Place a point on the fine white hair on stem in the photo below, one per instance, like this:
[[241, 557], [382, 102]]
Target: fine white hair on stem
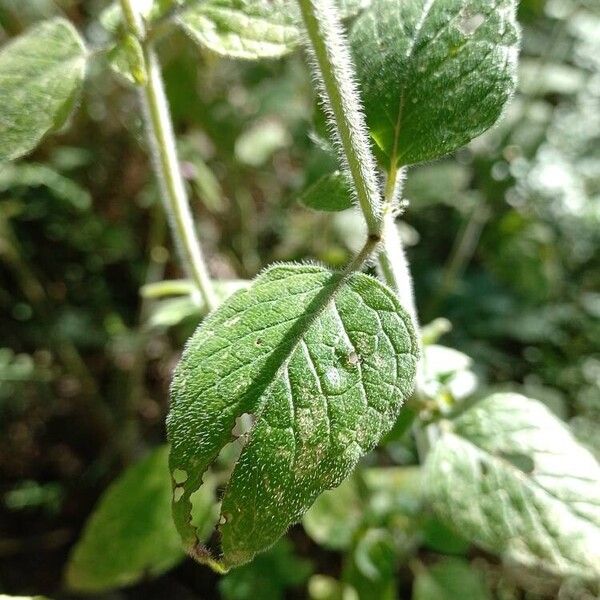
[[334, 73]]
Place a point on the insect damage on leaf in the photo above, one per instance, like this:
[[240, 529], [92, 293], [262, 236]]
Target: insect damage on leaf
[[322, 361]]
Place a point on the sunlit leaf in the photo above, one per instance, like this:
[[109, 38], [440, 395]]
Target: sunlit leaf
[[322, 361], [434, 74], [511, 477], [246, 29], [41, 73]]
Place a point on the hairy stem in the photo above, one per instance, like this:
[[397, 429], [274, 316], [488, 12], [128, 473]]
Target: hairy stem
[[336, 74], [161, 139], [392, 263]]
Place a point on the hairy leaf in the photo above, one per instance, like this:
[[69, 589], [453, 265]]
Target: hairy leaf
[[248, 29], [131, 533], [434, 73], [322, 361], [331, 193], [511, 477], [40, 76]]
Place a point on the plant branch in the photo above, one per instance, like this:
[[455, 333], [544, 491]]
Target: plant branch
[[161, 138], [340, 94]]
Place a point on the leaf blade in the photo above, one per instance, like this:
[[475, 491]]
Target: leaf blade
[[244, 29], [130, 533], [513, 479], [434, 73], [41, 73], [288, 389]]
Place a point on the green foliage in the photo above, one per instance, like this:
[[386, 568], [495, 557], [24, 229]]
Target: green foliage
[[41, 73], [434, 74], [268, 577], [130, 534], [502, 241], [511, 477], [331, 193], [335, 516], [247, 29], [33, 175], [126, 58], [450, 579], [322, 361]]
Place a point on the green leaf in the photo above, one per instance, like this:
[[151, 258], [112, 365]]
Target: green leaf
[[511, 477], [434, 73], [323, 362], [350, 8], [335, 516], [372, 565], [41, 73], [268, 577], [126, 58], [248, 29], [332, 193], [447, 376], [32, 175], [130, 534], [171, 311], [450, 579]]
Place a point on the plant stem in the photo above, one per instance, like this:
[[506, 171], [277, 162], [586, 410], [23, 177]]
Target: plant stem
[[343, 101], [392, 263], [161, 139]]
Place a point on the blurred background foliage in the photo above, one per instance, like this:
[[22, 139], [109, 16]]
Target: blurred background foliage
[[503, 240]]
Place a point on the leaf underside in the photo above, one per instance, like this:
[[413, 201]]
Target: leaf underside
[[247, 29], [513, 479], [434, 74], [323, 362], [41, 73]]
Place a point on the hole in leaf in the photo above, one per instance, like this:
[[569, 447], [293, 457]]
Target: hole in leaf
[[353, 359], [469, 24], [243, 425], [178, 493], [179, 476]]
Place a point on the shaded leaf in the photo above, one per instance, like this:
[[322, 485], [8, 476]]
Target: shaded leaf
[[268, 576], [511, 477], [335, 516], [450, 579], [41, 73], [332, 192], [131, 534], [434, 74], [248, 29], [322, 361], [126, 58]]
